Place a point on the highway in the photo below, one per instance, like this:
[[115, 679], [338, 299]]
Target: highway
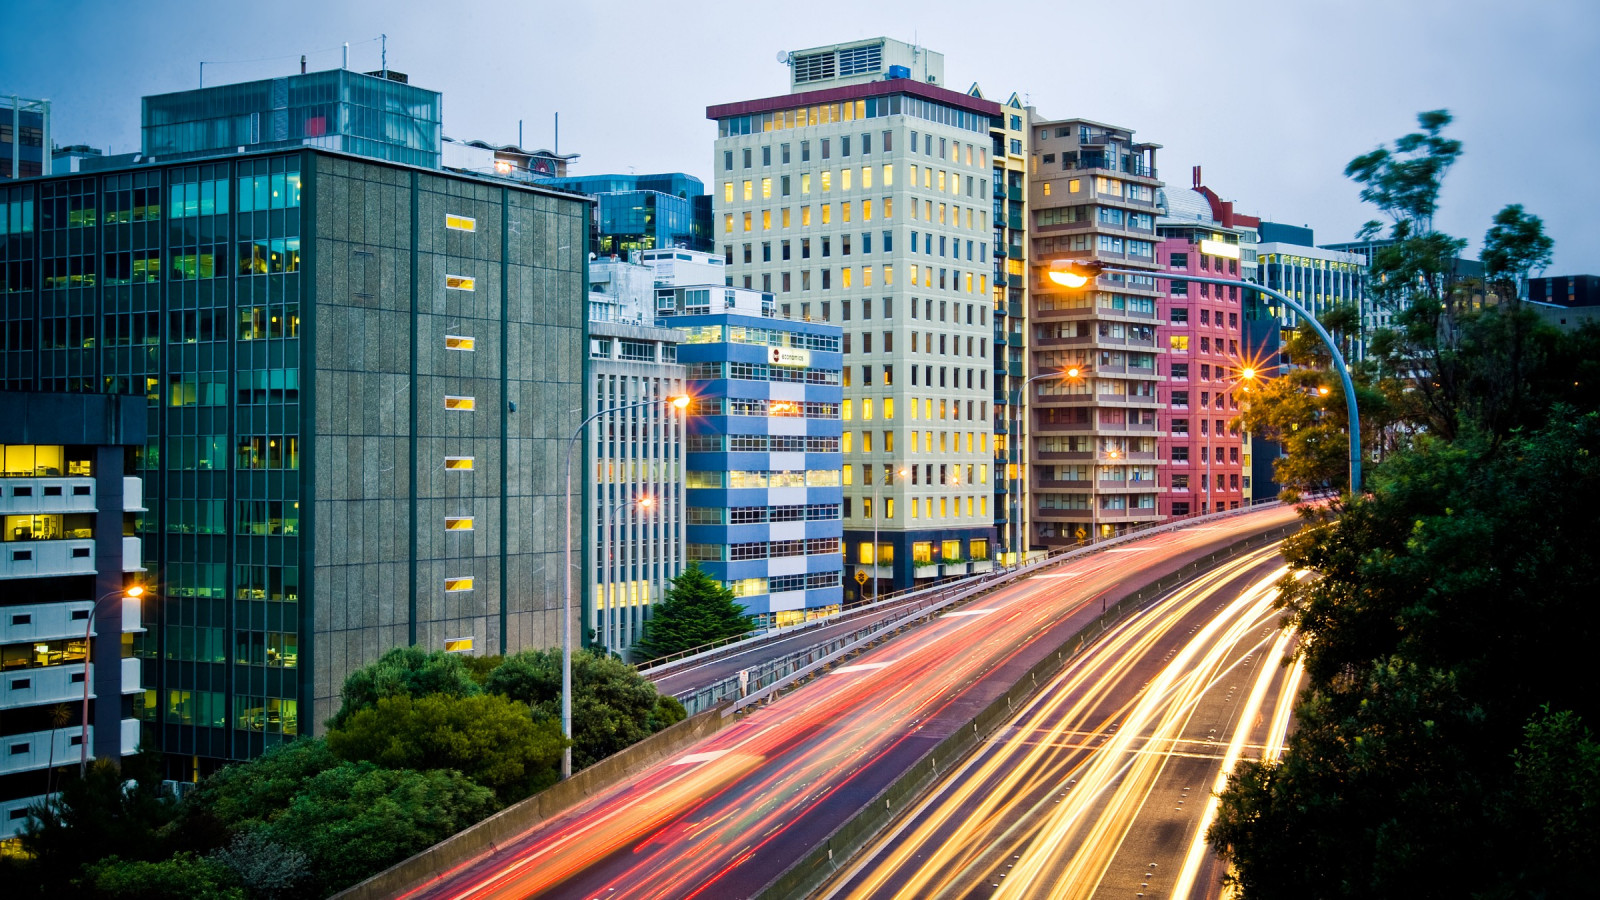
[[732, 812], [1101, 786]]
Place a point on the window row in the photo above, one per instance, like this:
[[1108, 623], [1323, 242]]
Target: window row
[[761, 478], [761, 443]]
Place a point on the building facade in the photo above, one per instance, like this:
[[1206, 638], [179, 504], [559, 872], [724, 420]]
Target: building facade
[[1319, 279], [863, 199], [359, 378], [24, 137], [1565, 290], [377, 115], [645, 212], [1010, 134], [1093, 445], [635, 455], [763, 453], [1204, 464], [71, 506]]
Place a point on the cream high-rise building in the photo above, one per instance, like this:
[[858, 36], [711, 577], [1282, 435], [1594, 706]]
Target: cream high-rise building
[[864, 197]]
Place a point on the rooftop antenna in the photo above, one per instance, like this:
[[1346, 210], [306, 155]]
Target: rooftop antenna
[[346, 63], [384, 58]]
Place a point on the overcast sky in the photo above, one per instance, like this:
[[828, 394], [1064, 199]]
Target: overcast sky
[[1271, 98]]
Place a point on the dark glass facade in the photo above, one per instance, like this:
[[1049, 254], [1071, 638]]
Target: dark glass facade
[[337, 110], [645, 212], [332, 352], [23, 130]]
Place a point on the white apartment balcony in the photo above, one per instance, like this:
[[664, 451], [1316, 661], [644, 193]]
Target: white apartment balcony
[[132, 614], [14, 814], [44, 621], [132, 494], [131, 675], [132, 555], [29, 496], [130, 736], [26, 752], [36, 559], [41, 686]]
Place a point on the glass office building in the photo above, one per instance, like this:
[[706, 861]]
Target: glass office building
[[358, 377], [645, 212], [368, 115]]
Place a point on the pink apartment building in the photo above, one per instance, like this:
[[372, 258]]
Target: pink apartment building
[[1201, 332]]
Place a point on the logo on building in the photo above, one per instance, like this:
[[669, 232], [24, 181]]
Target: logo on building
[[786, 356]]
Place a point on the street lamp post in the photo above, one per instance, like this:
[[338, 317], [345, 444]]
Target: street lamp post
[[1076, 273], [680, 402], [607, 551], [131, 593], [1071, 373]]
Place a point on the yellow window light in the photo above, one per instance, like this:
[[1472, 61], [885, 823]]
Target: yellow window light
[[458, 523], [460, 223], [460, 283], [459, 342], [457, 585], [460, 403], [460, 463], [458, 645]]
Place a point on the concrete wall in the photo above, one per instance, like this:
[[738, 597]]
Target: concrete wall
[[382, 551]]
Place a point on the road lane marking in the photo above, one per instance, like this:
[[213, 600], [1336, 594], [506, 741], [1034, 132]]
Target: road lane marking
[[693, 758], [970, 612]]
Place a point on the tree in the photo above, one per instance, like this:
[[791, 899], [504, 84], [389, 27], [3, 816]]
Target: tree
[[112, 810], [405, 672], [613, 706], [696, 611], [356, 819], [492, 740], [1427, 760], [240, 796], [266, 869], [182, 876]]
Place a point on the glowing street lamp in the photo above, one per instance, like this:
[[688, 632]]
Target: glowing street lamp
[[1077, 273]]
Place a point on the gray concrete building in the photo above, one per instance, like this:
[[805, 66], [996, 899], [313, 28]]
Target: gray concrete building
[[359, 378]]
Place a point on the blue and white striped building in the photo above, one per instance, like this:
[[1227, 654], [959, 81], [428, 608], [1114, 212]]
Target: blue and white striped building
[[763, 456]]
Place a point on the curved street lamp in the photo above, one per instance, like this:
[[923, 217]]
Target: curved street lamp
[[1018, 537], [130, 593], [679, 403], [1077, 273]]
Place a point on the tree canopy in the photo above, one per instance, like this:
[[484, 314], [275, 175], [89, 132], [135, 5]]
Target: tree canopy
[[1441, 748], [491, 739], [613, 705], [696, 611], [409, 672]]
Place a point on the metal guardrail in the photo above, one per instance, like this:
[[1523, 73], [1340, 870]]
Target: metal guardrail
[[757, 682]]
